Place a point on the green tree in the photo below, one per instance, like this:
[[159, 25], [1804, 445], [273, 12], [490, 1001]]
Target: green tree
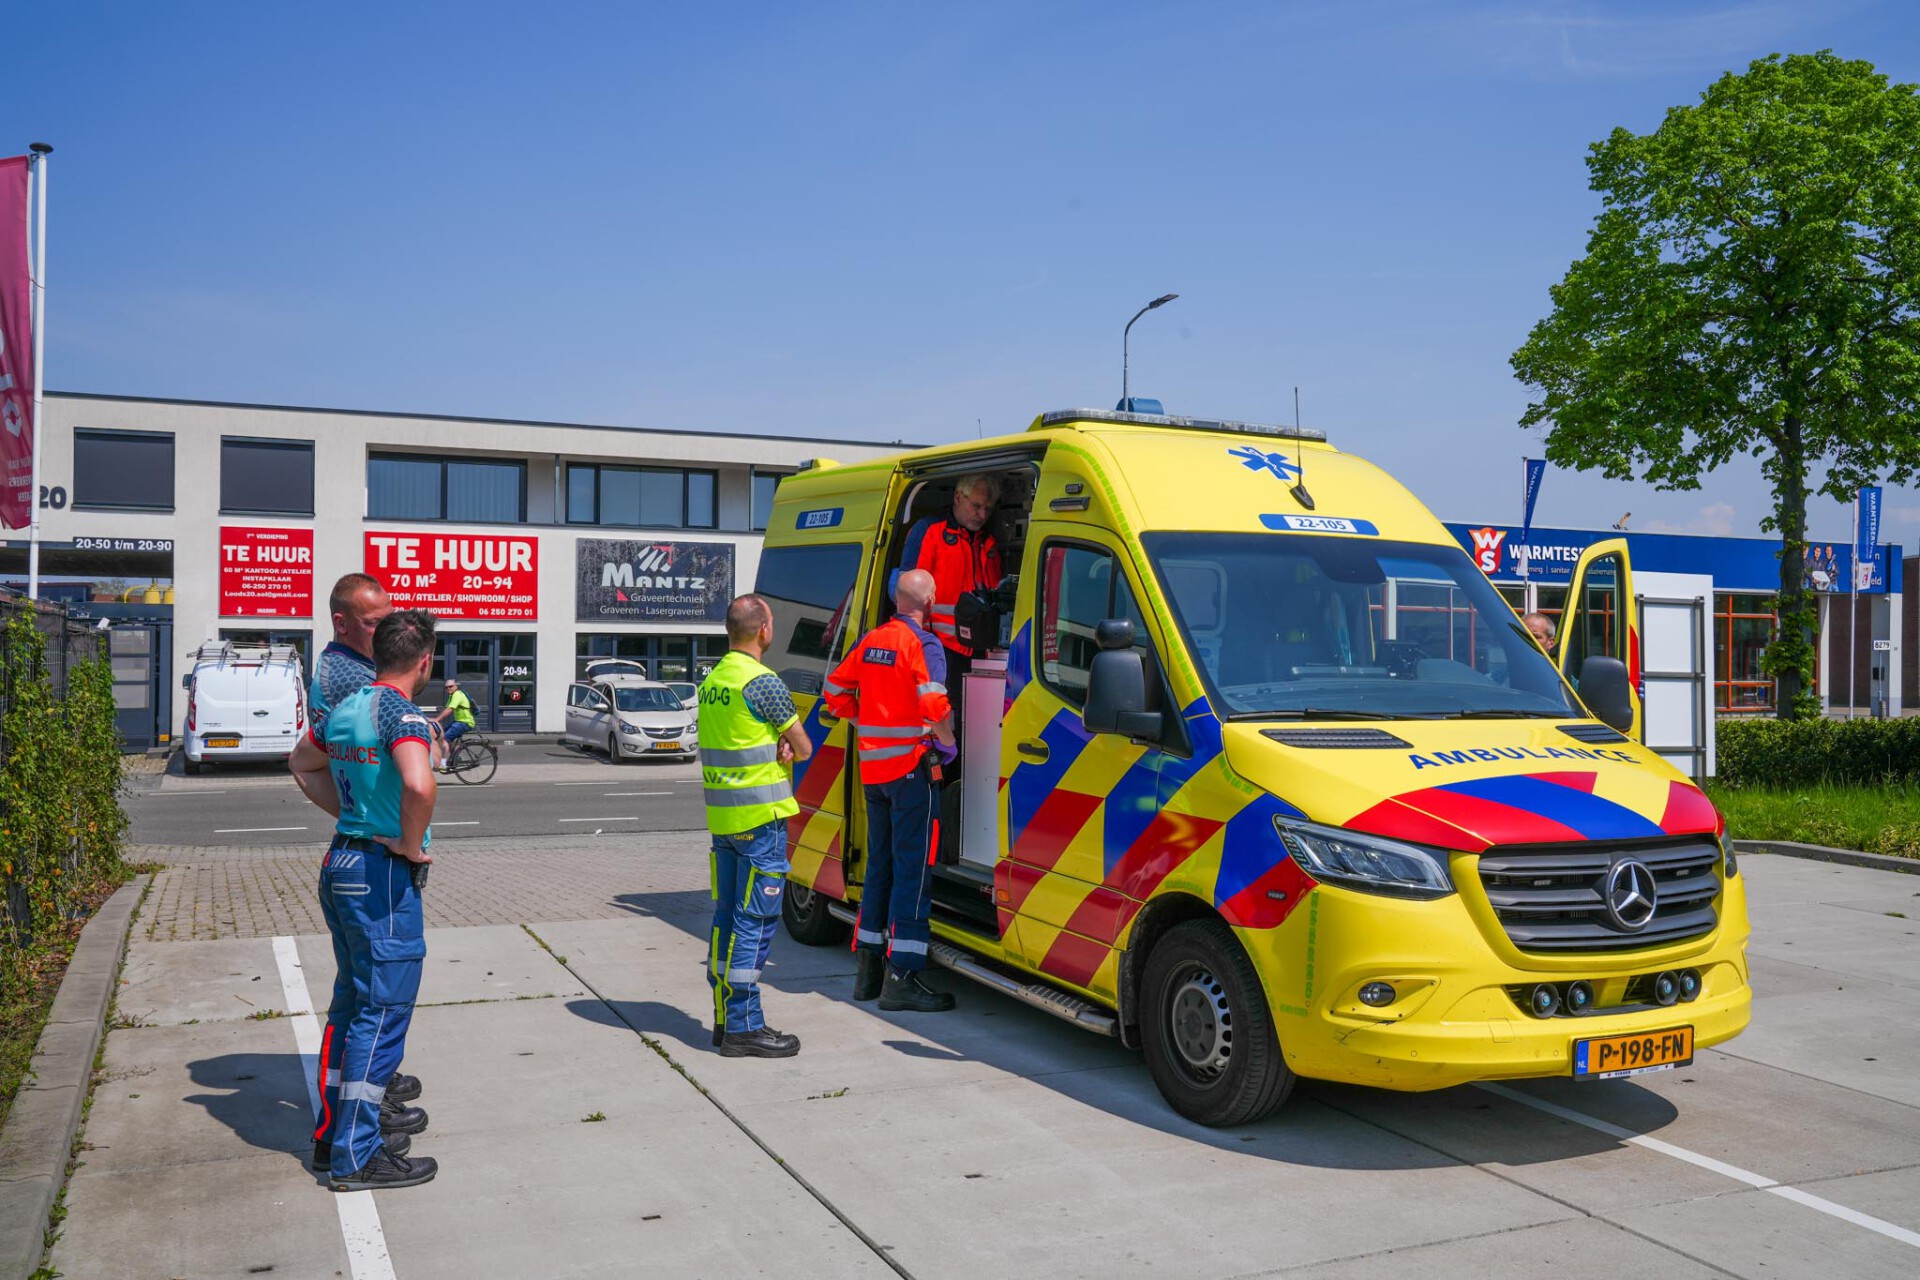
[[1750, 287]]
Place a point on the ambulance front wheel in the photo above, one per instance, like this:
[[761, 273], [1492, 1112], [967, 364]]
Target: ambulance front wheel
[[1207, 1031], [808, 919]]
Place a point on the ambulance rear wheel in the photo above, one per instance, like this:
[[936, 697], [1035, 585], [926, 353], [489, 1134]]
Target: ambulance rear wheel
[[1207, 1031], [808, 920]]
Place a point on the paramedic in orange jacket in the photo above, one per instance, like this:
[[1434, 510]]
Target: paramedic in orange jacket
[[960, 554], [898, 702]]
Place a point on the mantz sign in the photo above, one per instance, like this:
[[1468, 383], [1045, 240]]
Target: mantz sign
[[459, 575]]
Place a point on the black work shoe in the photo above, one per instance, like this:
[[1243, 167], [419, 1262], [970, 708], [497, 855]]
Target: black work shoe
[[398, 1144], [764, 1043], [869, 971], [904, 990], [403, 1088], [386, 1171], [396, 1118]]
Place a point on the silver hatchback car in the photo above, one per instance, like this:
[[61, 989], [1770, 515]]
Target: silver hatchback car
[[628, 716]]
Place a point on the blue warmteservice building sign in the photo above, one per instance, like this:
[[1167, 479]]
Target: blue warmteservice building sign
[[1735, 564]]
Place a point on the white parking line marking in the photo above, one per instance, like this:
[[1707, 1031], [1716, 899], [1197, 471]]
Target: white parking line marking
[[580, 784], [637, 793], [367, 1257], [1845, 1214], [626, 819], [171, 791], [1759, 1181], [245, 831], [474, 823]]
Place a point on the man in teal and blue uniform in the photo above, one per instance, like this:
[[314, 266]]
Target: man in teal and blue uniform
[[371, 765]]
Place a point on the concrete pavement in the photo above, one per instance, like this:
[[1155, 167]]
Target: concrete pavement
[[993, 1138]]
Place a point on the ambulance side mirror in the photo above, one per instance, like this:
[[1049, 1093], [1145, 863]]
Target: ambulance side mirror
[[1608, 693], [1123, 688]]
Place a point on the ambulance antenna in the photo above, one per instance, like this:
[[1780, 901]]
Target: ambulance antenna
[[1299, 489]]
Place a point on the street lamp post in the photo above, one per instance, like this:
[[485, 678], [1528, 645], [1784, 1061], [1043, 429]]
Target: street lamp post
[[1160, 301]]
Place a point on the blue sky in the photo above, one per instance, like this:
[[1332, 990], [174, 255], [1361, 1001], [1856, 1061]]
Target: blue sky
[[883, 221]]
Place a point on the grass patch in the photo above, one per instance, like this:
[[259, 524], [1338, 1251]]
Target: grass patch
[[25, 1002], [1884, 819]]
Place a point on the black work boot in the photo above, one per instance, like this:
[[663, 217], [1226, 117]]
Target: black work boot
[[398, 1144], [403, 1088], [904, 990], [869, 970], [397, 1117], [764, 1042], [386, 1171]]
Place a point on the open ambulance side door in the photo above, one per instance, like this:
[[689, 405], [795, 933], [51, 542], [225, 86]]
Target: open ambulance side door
[[1602, 621]]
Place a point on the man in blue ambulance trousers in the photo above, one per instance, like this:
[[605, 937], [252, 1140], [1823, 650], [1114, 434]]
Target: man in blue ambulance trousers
[[371, 766], [749, 735], [892, 684]]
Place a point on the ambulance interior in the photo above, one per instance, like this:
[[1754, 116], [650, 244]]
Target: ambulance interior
[[969, 799]]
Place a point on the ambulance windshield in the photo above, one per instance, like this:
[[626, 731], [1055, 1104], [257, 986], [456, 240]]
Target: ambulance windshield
[[1312, 626]]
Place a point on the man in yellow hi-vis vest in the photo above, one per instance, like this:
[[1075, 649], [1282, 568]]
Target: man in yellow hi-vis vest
[[749, 736]]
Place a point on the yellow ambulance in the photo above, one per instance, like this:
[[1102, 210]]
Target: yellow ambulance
[[1261, 775]]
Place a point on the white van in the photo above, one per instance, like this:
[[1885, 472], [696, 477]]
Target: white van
[[245, 703]]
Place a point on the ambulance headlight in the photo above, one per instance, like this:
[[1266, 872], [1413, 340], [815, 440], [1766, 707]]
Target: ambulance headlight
[[1377, 865]]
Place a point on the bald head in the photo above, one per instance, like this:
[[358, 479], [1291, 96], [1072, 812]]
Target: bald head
[[747, 616], [914, 592]]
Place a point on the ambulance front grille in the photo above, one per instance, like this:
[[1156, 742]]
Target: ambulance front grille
[[1552, 897]]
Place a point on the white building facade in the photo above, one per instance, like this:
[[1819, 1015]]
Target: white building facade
[[537, 544]]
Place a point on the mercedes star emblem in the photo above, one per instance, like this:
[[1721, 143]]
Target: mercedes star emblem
[[1631, 895]]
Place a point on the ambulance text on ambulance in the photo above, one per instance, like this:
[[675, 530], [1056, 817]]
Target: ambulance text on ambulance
[[1486, 755]]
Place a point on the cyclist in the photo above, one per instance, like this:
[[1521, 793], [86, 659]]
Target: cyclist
[[460, 707]]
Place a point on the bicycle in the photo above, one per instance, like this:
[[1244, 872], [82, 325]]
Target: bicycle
[[472, 759]]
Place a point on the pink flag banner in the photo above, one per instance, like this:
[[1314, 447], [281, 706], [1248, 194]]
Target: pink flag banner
[[16, 349]]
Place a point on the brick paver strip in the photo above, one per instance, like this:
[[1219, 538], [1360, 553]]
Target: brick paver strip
[[206, 893]]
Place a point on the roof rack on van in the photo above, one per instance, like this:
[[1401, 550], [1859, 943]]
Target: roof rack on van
[[225, 652], [1060, 417]]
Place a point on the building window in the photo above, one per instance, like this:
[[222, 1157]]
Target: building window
[[687, 658], [123, 470], [764, 484], [266, 477], [636, 497], [1743, 627], [464, 489]]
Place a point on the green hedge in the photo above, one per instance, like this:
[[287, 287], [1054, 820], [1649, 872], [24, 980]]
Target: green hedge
[[62, 830], [1802, 753]]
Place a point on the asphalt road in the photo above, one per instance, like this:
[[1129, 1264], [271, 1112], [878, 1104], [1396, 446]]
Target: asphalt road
[[540, 789]]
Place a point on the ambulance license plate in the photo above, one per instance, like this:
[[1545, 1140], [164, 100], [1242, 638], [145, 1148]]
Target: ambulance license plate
[[666, 746], [222, 742], [1610, 1057]]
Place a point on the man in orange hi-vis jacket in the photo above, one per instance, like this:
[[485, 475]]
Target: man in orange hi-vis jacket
[[893, 685]]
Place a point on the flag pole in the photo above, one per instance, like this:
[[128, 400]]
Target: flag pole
[[1853, 603], [40, 152]]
